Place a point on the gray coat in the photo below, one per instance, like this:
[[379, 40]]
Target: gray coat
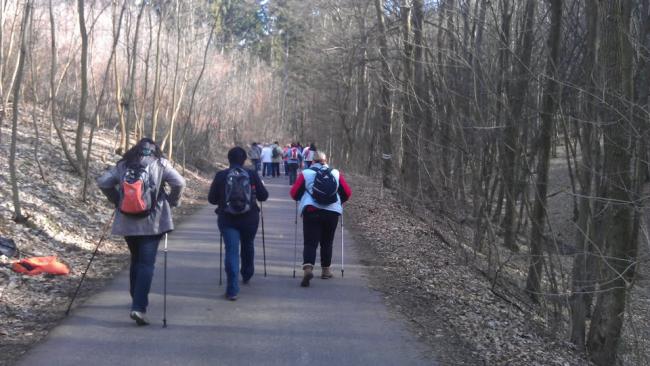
[[160, 220]]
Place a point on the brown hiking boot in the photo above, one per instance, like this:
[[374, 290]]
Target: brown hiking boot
[[309, 269], [327, 273]]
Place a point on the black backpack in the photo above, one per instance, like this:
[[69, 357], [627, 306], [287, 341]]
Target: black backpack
[[238, 192], [325, 187]]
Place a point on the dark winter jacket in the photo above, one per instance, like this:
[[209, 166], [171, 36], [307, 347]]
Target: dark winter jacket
[[217, 196]]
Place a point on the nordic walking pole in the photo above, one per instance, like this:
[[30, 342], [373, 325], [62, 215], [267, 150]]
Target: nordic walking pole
[[295, 244], [165, 286], [342, 249], [220, 257], [263, 239], [83, 276]]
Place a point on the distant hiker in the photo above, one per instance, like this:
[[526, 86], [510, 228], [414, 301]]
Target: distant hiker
[[308, 155], [254, 154], [267, 160], [143, 212], [236, 191], [276, 155], [321, 192], [285, 159], [294, 158]]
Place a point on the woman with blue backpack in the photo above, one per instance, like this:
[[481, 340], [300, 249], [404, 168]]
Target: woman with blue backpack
[[321, 192], [142, 212], [236, 191]]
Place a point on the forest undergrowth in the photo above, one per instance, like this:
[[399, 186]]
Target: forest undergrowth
[[60, 224], [459, 299]]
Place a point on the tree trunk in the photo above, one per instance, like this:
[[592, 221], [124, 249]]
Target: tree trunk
[[581, 286], [130, 104], [53, 92], [616, 56], [516, 99], [154, 106], [100, 99], [409, 140], [386, 144], [533, 282], [81, 117], [15, 193]]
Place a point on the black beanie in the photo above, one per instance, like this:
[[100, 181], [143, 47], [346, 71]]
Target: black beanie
[[237, 156]]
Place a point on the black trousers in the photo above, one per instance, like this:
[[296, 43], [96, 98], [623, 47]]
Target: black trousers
[[292, 170], [276, 169], [319, 227]]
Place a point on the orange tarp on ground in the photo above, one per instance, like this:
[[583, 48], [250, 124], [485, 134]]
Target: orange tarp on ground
[[37, 265]]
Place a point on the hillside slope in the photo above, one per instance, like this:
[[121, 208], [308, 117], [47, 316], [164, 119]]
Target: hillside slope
[[61, 224]]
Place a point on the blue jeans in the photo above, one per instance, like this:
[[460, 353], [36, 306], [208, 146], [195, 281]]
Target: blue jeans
[[234, 236], [268, 169], [257, 164], [143, 258]]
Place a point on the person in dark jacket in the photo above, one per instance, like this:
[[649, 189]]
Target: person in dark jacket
[[238, 230], [143, 233], [319, 221]]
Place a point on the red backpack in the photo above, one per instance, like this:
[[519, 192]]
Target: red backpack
[[137, 190]]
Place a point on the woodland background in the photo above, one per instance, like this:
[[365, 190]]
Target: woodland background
[[471, 110]]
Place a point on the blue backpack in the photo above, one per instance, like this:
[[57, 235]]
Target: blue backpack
[[325, 187]]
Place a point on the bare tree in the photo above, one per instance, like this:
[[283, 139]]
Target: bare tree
[[386, 144], [17, 84], [549, 103]]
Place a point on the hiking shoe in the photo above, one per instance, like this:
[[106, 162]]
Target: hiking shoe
[[327, 273], [139, 317], [309, 274]]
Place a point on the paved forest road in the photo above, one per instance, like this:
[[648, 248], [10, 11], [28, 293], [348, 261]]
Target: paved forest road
[[275, 322]]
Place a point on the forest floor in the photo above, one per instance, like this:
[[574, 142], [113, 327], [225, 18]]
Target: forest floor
[[60, 224], [455, 295], [426, 271]]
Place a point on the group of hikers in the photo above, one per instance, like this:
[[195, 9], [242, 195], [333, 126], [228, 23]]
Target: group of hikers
[[136, 186], [268, 158]]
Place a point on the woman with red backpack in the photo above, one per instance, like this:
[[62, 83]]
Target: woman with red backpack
[[143, 212], [321, 192]]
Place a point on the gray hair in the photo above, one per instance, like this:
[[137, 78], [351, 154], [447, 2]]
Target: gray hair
[[320, 156]]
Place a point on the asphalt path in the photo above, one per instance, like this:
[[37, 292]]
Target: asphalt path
[[275, 321]]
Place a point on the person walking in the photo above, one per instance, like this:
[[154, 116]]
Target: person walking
[[276, 156], [143, 213], [321, 192], [254, 155], [308, 154], [267, 160], [294, 157], [285, 159], [236, 191]]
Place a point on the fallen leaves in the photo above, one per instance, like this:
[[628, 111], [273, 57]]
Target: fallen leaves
[[60, 224], [421, 269]]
